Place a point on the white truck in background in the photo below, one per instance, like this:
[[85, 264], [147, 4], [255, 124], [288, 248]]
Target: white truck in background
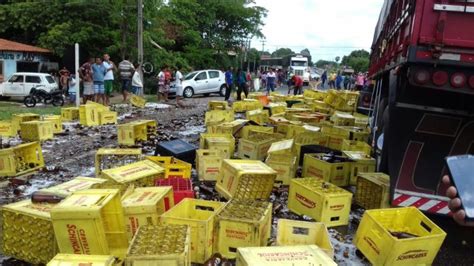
[[298, 65]]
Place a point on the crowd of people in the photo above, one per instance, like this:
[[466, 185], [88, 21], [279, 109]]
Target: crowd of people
[[339, 81], [97, 75]]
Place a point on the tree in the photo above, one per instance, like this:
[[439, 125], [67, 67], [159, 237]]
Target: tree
[[305, 52], [192, 33], [358, 60], [324, 63], [282, 52]]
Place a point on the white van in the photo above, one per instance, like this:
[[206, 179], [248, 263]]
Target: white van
[[20, 84]]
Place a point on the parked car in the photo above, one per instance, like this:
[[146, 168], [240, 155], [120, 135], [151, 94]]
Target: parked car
[[203, 82], [21, 83]]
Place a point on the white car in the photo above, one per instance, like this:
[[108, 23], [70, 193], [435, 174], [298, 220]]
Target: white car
[[20, 84], [204, 82]]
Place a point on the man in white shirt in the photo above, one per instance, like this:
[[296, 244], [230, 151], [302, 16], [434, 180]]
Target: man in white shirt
[[179, 87], [108, 78]]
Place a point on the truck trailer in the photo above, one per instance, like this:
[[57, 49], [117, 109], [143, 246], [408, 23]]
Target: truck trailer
[[422, 63]]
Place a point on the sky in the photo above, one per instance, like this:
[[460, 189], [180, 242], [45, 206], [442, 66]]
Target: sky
[[328, 28]]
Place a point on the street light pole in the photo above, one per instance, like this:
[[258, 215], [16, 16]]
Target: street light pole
[[140, 38]]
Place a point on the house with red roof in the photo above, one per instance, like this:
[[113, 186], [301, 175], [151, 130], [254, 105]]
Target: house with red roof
[[19, 57]]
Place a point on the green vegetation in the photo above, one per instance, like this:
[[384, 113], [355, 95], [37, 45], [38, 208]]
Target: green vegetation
[[358, 60], [187, 33], [7, 109]]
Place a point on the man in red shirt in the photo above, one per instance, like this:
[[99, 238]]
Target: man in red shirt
[[297, 84]]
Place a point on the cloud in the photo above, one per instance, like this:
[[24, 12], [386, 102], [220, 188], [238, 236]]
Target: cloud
[[327, 28]]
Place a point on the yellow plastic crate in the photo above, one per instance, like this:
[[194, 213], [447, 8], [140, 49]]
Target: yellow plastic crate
[[277, 108], [140, 174], [208, 164], [70, 113], [278, 120], [245, 179], [247, 130], [111, 158], [285, 165], [246, 105], [343, 119], [309, 138], [243, 223], [294, 128], [355, 133], [21, 159], [315, 94], [362, 163], [17, 119], [36, 130], [337, 172], [107, 118], [258, 116], [82, 260], [135, 132], [200, 216], [218, 116], [255, 147], [320, 200], [7, 129], [88, 115], [57, 122], [99, 106], [174, 168], [295, 233], [79, 183], [353, 145], [347, 101], [223, 142], [143, 206], [217, 105], [372, 191], [90, 222], [283, 256], [361, 120], [28, 232], [281, 147], [234, 127], [375, 240], [138, 101], [160, 246]]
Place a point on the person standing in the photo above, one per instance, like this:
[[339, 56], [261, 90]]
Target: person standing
[[168, 79], [137, 84], [242, 84], [229, 81], [339, 81], [109, 78], [324, 78], [98, 75], [64, 80], [126, 71], [178, 76], [360, 81], [87, 82], [161, 84], [332, 80], [271, 80]]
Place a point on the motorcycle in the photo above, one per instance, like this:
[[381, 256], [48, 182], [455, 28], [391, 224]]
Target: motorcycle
[[37, 95]]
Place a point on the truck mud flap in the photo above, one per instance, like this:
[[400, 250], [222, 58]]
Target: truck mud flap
[[418, 141]]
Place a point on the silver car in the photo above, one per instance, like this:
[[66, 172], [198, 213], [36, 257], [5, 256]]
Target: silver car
[[203, 82]]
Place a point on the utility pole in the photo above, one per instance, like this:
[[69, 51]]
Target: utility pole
[[248, 58], [140, 38], [263, 45]]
